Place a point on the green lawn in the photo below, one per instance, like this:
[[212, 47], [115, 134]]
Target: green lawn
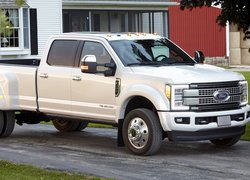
[[246, 136], [11, 171], [94, 125]]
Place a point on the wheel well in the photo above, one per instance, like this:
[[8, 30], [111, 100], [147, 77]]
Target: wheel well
[[134, 103], [139, 102]]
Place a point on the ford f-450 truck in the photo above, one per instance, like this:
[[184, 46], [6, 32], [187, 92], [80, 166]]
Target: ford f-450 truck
[[143, 83]]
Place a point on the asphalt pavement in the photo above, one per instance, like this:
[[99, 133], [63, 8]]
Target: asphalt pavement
[[94, 151]]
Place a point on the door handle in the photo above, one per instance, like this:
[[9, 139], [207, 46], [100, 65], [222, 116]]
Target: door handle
[[77, 78], [44, 75]]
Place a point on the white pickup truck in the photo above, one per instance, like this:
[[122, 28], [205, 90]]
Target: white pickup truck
[[142, 83]]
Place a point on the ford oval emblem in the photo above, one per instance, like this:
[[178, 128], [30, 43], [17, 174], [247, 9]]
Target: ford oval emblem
[[221, 95]]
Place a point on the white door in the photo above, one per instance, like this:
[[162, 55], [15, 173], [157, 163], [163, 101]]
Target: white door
[[93, 95], [54, 78]]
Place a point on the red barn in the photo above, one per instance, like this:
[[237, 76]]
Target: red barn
[[197, 29]]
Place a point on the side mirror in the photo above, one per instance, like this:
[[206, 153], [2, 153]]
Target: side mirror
[[199, 57], [111, 69], [88, 64]]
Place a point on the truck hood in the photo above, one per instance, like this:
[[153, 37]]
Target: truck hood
[[185, 74]]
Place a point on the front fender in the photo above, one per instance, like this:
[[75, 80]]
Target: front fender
[[157, 98]]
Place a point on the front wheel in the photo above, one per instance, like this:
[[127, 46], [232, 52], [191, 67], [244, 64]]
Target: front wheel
[[142, 132], [226, 141]]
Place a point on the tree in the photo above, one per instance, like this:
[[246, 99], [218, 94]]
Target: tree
[[20, 2], [4, 22], [233, 11], [5, 25]]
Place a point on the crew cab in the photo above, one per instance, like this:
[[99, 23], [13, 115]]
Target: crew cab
[[144, 84]]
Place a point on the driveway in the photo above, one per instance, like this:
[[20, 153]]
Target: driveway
[[94, 151]]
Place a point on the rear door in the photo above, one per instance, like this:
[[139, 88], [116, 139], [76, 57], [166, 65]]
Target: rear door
[[54, 77]]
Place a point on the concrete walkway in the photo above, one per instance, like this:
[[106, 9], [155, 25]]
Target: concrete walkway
[[239, 68]]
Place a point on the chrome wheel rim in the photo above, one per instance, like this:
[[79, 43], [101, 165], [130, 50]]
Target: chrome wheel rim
[[138, 133]]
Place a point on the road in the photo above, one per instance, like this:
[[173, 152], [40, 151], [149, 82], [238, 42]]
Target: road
[[94, 151]]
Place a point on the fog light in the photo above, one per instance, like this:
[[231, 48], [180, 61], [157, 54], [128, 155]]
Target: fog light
[[182, 120], [205, 120]]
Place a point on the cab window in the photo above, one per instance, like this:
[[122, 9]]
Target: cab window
[[99, 51], [63, 53]]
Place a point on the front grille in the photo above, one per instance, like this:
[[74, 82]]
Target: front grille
[[200, 97], [218, 107], [214, 85], [210, 100], [210, 92]]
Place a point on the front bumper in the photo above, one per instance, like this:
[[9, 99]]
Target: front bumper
[[206, 134], [194, 131]]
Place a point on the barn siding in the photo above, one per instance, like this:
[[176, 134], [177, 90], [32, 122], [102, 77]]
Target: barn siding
[[197, 29]]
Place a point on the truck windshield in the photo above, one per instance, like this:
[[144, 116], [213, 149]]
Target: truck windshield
[[151, 52]]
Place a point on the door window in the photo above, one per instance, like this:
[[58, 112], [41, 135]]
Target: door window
[[99, 51], [62, 53]]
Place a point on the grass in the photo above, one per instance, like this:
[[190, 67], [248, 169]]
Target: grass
[[97, 125], [11, 171], [246, 136], [93, 125]]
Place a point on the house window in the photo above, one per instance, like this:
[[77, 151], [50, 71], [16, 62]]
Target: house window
[[26, 28], [115, 21], [10, 36], [16, 33]]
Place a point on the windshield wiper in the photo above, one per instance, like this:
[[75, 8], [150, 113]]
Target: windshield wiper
[[160, 64], [144, 64], [177, 64]]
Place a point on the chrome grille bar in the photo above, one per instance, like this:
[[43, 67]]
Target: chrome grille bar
[[209, 101], [201, 97], [210, 92]]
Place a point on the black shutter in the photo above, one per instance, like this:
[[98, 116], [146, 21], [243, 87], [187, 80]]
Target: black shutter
[[33, 32]]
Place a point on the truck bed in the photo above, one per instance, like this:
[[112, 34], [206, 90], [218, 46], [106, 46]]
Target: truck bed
[[29, 62], [18, 84]]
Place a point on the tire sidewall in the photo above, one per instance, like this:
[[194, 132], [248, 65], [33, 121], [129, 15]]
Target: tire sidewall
[[66, 126], [8, 123], [143, 114], [1, 122]]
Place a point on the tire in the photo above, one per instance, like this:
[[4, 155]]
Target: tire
[[225, 142], [9, 123], [82, 125], [68, 125], [1, 121], [142, 132]]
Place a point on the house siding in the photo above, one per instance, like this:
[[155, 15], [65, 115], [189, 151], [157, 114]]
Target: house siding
[[49, 14]]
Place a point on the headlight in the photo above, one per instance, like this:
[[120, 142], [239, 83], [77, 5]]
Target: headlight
[[244, 91], [175, 95]]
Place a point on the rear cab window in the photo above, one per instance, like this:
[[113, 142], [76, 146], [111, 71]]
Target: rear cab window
[[63, 53]]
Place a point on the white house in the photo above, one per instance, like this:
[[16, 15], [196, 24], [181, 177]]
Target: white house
[[34, 22]]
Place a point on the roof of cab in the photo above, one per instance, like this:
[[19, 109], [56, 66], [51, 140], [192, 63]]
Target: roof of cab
[[111, 36]]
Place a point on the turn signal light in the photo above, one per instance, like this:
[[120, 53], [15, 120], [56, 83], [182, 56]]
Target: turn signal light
[[84, 68]]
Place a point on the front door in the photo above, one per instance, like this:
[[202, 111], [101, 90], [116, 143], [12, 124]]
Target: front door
[[93, 95]]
